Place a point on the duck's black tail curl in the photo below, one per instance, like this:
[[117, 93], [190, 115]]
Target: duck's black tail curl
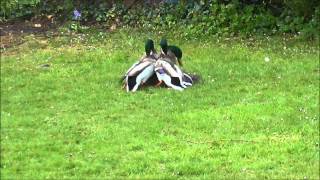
[[194, 77]]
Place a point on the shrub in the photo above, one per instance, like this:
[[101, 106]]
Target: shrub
[[197, 18], [11, 9]]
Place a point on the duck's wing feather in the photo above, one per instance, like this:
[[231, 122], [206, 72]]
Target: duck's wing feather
[[139, 73]]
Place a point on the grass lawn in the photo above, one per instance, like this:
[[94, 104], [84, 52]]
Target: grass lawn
[[247, 118]]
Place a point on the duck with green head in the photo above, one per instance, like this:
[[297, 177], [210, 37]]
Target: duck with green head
[[174, 53], [149, 48], [166, 67], [142, 70]]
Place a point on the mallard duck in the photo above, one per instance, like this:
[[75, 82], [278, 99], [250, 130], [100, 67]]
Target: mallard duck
[[150, 50], [166, 67], [142, 70], [174, 53]]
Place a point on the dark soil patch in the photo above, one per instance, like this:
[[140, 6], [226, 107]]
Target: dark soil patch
[[12, 33]]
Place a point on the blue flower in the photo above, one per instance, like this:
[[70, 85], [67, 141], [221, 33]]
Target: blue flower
[[76, 15]]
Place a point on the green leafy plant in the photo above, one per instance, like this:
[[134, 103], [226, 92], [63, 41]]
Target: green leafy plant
[[192, 18], [17, 8]]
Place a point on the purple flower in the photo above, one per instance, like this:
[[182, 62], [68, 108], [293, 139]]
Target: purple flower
[[76, 15]]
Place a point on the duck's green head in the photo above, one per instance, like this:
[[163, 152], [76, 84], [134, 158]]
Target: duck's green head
[[149, 46], [164, 45]]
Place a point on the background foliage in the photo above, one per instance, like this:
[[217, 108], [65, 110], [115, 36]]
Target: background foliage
[[202, 17]]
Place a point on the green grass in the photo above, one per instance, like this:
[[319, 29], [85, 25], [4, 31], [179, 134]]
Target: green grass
[[246, 118]]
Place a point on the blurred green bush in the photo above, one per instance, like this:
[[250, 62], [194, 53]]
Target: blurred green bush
[[194, 18]]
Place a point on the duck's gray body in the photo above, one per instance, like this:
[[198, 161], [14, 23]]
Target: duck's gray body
[[140, 72], [169, 72], [172, 75], [155, 69]]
